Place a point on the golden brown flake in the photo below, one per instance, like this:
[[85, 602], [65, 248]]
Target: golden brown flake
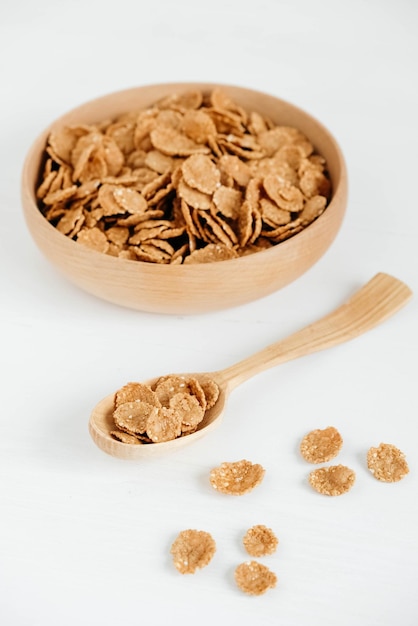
[[189, 410], [211, 391], [164, 424], [319, 446], [314, 183], [173, 143], [254, 578], [93, 238], [283, 193], [69, 220], [198, 126], [236, 478], [63, 141], [272, 215], [123, 437], [228, 201], [333, 480], [133, 417], [157, 161], [236, 168], [168, 386], [60, 195], [312, 209], [191, 99], [387, 463], [192, 550], [193, 197], [201, 173], [260, 541], [136, 391], [118, 235], [211, 253]]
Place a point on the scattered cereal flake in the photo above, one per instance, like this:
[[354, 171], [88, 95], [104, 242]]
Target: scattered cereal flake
[[236, 478], [333, 480], [254, 578], [260, 541], [387, 463], [133, 417], [192, 550], [319, 446]]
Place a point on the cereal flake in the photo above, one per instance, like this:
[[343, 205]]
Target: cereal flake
[[319, 446], [260, 541], [192, 550], [387, 463], [236, 478], [254, 578], [333, 480]]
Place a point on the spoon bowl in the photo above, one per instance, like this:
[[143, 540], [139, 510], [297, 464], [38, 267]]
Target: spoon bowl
[[375, 302], [101, 424]]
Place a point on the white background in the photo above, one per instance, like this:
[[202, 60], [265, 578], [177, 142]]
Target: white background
[[85, 538]]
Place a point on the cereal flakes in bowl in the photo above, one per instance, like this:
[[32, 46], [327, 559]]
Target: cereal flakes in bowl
[[184, 198]]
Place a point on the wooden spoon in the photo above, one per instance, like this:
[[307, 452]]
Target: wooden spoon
[[380, 298]]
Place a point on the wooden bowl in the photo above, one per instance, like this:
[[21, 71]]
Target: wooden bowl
[[193, 288]]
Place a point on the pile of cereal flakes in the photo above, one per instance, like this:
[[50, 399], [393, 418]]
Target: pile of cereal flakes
[[172, 407], [194, 178]]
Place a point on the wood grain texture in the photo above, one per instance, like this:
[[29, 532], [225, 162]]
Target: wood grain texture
[[378, 300], [188, 289]]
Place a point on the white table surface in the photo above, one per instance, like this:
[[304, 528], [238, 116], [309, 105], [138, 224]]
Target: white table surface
[[85, 538]]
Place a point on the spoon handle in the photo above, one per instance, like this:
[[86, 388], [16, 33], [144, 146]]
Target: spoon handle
[[377, 300]]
